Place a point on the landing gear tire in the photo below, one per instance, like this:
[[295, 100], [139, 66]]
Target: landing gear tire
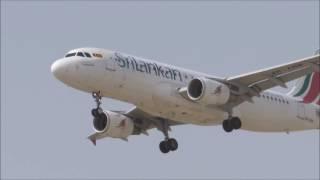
[[164, 148], [236, 123], [96, 112], [227, 125], [168, 145], [231, 124], [173, 144]]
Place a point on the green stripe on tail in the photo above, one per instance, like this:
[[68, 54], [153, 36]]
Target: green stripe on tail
[[305, 86]]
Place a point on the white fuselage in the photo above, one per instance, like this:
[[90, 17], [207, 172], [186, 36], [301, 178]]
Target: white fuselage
[[152, 86]]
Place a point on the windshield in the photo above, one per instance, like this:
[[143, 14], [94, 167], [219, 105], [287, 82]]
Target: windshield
[[81, 54], [70, 54]]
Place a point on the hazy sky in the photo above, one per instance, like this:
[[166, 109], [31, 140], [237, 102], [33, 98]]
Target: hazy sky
[[44, 124]]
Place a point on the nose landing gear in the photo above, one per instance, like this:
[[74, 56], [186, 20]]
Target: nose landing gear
[[99, 118], [96, 112]]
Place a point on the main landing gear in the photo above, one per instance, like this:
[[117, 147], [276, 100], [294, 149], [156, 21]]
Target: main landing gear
[[168, 144], [231, 123]]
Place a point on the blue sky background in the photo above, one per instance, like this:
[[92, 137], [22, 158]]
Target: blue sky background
[[44, 124]]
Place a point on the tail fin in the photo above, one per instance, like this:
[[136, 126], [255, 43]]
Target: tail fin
[[308, 88]]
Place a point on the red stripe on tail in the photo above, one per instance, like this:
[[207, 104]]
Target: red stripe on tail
[[314, 89], [318, 102]]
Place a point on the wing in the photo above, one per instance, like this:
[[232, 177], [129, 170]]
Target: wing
[[142, 120], [251, 84]]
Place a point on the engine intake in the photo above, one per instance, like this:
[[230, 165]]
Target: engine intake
[[100, 123], [195, 89], [206, 91]]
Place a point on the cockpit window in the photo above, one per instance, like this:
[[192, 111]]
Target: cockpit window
[[70, 54], [87, 54], [83, 54], [80, 54]]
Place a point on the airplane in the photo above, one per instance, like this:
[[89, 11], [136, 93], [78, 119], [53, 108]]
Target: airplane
[[164, 95]]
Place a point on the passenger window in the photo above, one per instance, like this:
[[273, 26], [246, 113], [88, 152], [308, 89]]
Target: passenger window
[[70, 54], [87, 54], [80, 54]]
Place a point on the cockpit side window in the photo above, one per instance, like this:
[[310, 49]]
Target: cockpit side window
[[70, 54], [80, 54], [87, 54]]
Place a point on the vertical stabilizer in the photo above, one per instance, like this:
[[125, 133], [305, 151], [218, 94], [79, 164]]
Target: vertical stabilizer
[[307, 88]]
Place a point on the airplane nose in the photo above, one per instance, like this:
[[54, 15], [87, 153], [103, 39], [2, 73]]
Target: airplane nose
[[58, 69], [70, 72]]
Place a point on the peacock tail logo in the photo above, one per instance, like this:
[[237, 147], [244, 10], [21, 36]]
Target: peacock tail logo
[[308, 88]]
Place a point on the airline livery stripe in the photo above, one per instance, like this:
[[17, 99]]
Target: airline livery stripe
[[305, 86], [314, 89]]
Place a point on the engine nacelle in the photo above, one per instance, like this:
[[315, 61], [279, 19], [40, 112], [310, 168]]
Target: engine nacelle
[[113, 124], [206, 91]]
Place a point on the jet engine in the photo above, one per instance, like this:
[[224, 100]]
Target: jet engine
[[206, 91], [113, 124]]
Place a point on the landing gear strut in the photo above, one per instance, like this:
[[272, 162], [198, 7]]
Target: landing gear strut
[[99, 118], [168, 144], [231, 123], [96, 112]]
